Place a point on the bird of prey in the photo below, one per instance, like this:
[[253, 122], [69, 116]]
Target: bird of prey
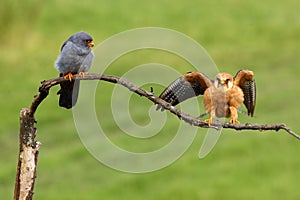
[[222, 97], [75, 58]]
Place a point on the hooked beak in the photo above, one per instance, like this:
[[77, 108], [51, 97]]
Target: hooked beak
[[222, 85], [223, 82], [90, 43]]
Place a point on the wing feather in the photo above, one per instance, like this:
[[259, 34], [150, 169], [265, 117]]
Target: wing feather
[[245, 80], [187, 86]]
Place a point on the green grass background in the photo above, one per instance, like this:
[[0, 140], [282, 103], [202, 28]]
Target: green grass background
[[263, 35]]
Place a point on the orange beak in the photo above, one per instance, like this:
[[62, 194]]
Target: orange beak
[[90, 43]]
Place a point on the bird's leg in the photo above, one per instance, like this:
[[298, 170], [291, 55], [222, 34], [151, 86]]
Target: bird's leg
[[210, 120], [69, 76], [234, 115]]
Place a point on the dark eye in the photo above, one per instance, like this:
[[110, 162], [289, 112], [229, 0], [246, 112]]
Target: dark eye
[[227, 81]]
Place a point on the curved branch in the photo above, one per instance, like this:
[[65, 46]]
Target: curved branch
[[46, 85], [28, 154]]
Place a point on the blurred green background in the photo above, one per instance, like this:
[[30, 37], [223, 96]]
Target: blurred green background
[[262, 35]]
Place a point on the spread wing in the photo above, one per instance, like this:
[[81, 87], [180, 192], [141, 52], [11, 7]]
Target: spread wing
[[187, 86], [245, 80]]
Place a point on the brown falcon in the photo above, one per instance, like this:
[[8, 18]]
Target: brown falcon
[[222, 97]]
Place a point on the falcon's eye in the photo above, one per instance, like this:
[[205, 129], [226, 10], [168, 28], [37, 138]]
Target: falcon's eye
[[227, 81], [219, 80]]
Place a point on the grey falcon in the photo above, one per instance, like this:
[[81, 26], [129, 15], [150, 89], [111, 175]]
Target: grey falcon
[[76, 57]]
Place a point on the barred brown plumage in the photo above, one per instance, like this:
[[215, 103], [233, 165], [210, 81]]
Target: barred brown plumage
[[222, 97]]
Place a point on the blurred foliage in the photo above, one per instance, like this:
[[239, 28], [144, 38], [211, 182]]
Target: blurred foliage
[[18, 17]]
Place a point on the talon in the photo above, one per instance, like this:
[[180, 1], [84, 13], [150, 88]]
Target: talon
[[82, 74], [69, 76], [208, 121], [232, 121]]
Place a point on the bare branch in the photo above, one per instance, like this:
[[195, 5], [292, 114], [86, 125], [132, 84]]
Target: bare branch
[[28, 154], [46, 85]]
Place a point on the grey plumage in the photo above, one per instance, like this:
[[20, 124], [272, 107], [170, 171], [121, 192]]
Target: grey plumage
[[184, 88], [179, 91], [75, 57]]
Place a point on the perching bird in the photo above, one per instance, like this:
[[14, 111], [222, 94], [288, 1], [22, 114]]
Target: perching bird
[[75, 57], [222, 97]]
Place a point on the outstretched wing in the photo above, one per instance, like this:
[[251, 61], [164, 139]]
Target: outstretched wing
[[245, 80], [187, 86]]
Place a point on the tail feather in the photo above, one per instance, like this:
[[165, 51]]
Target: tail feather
[[68, 93]]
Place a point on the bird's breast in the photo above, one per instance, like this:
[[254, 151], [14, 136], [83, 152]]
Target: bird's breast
[[217, 100]]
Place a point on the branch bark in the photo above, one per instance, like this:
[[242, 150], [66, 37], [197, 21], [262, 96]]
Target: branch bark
[[46, 85], [28, 155], [27, 163]]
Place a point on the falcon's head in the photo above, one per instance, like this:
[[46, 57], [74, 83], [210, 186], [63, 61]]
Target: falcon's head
[[82, 39], [223, 81]]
